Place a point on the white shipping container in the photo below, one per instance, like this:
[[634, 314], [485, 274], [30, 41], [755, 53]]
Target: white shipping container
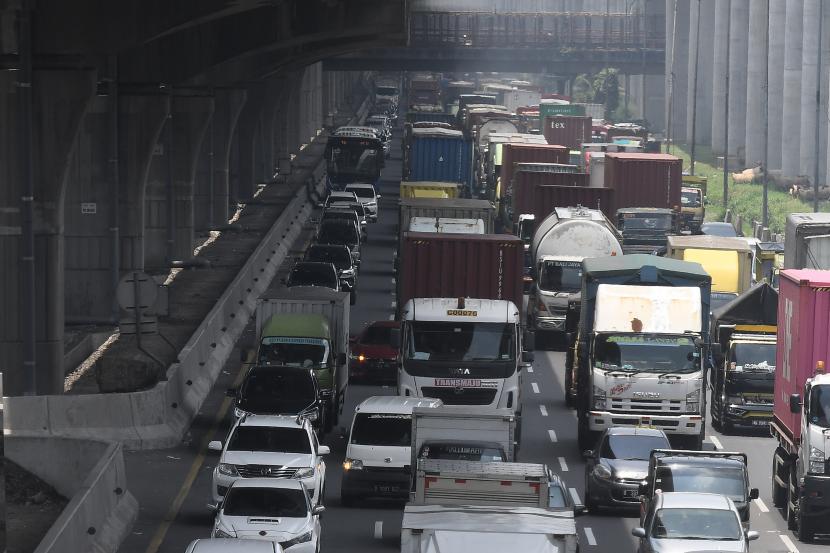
[[649, 309]]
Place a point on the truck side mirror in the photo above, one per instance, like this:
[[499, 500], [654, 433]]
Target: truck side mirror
[[753, 493], [714, 348], [528, 357], [795, 403], [529, 341], [395, 338]]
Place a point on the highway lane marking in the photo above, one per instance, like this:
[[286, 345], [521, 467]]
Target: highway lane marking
[[184, 491], [575, 496], [535, 387], [378, 530], [589, 535], [761, 505], [544, 410], [552, 436], [563, 464], [530, 368], [789, 543], [716, 442]]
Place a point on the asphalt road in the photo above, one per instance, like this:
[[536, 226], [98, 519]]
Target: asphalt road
[[173, 485]]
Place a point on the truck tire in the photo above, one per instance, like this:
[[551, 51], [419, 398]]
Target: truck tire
[[779, 472], [805, 531]]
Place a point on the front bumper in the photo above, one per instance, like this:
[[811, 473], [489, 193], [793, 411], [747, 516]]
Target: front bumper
[[392, 482], [613, 493], [687, 425], [748, 416], [815, 495]]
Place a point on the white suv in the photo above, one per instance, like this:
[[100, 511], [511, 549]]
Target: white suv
[[268, 446], [368, 196], [270, 509]]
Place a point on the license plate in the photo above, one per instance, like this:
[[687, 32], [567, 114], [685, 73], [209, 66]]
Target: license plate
[[629, 493], [458, 382], [386, 489], [759, 423]]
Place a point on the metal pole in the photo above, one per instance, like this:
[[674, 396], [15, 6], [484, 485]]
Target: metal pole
[[171, 195], [818, 106], [694, 93], [211, 183], [115, 178], [27, 200], [671, 79], [726, 116], [765, 210]]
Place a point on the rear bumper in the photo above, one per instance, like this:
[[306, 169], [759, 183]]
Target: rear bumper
[[377, 482]]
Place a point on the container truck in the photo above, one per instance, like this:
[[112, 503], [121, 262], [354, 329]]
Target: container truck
[[693, 203], [561, 242], [436, 154], [517, 193], [446, 225], [801, 407], [464, 431], [459, 208], [567, 130], [646, 229], [543, 199], [727, 260], [514, 153], [490, 160], [643, 331], [743, 359], [486, 529], [303, 325], [515, 99], [644, 180], [807, 241]]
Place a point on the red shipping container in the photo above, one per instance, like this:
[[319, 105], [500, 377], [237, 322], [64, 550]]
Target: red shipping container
[[568, 130], [644, 180], [528, 153], [524, 183], [803, 338], [546, 198], [485, 266]]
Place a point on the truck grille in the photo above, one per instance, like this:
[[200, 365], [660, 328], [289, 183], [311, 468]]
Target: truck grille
[[461, 396], [654, 422], [646, 406], [265, 471]]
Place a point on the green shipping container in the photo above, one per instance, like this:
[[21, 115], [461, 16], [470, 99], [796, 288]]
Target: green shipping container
[[546, 110]]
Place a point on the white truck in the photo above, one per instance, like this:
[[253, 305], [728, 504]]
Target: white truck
[[561, 241], [470, 432], [486, 529]]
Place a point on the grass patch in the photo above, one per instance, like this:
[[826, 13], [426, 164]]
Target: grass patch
[[744, 199]]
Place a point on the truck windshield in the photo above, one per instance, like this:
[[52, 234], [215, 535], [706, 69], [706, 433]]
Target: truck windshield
[[820, 406], [690, 198], [382, 429], [646, 352], [720, 479], [753, 357], [452, 341], [561, 276], [645, 221], [361, 159], [291, 351]]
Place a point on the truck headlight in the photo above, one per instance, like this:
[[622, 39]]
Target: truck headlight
[[693, 401], [352, 464], [599, 398], [816, 461]]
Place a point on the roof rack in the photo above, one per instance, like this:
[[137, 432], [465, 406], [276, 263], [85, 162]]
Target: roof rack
[[662, 453]]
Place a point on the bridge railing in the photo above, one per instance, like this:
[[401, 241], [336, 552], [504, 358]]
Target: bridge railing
[[538, 30]]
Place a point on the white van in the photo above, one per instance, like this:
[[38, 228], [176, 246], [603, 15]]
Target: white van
[[378, 454], [233, 545]]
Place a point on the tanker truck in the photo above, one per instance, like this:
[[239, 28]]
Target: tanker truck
[[561, 241]]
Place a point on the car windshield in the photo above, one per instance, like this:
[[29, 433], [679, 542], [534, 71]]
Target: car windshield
[[268, 438], [820, 406], [754, 357], [561, 276], [690, 199], [377, 335], [646, 352], [292, 351], [313, 275], [696, 524], [363, 192], [265, 502], [646, 221], [382, 429], [338, 256], [338, 232], [631, 447], [277, 391], [462, 451], [725, 480], [455, 341]]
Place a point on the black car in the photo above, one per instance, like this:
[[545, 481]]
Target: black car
[[280, 390], [314, 273], [339, 256], [341, 232]]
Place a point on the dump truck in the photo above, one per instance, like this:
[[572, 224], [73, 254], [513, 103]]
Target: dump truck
[[801, 405], [743, 359], [644, 324], [807, 241], [308, 327], [692, 203]]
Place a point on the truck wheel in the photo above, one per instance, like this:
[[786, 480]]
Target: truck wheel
[[779, 492], [804, 532]]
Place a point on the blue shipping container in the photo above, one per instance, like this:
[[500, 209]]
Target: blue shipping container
[[419, 116], [441, 159]]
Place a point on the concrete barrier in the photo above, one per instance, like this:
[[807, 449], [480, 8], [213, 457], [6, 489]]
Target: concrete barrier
[[91, 474]]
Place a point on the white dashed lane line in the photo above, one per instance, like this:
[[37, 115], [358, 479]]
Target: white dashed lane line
[[789, 543], [563, 464], [716, 442], [535, 387], [761, 505], [378, 533], [552, 435], [543, 410], [589, 535], [575, 496]]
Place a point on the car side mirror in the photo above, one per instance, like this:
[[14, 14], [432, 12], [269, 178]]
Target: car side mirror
[[795, 403], [379, 196], [231, 392], [214, 507], [753, 493], [752, 535], [395, 338], [215, 445], [638, 532], [323, 450], [318, 510], [341, 358]]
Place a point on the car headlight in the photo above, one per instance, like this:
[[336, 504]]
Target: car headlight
[[219, 533], [305, 472], [693, 401], [352, 464], [599, 398], [302, 538], [602, 472], [816, 461], [228, 469]]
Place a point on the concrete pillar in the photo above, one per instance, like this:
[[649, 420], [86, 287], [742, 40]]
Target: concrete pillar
[[791, 129], [210, 198], [60, 101], [739, 22], [246, 138], [677, 61], [722, 8], [703, 50], [809, 85], [775, 113], [755, 73]]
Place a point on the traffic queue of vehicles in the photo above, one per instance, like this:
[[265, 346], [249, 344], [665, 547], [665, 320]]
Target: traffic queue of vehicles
[[487, 213]]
